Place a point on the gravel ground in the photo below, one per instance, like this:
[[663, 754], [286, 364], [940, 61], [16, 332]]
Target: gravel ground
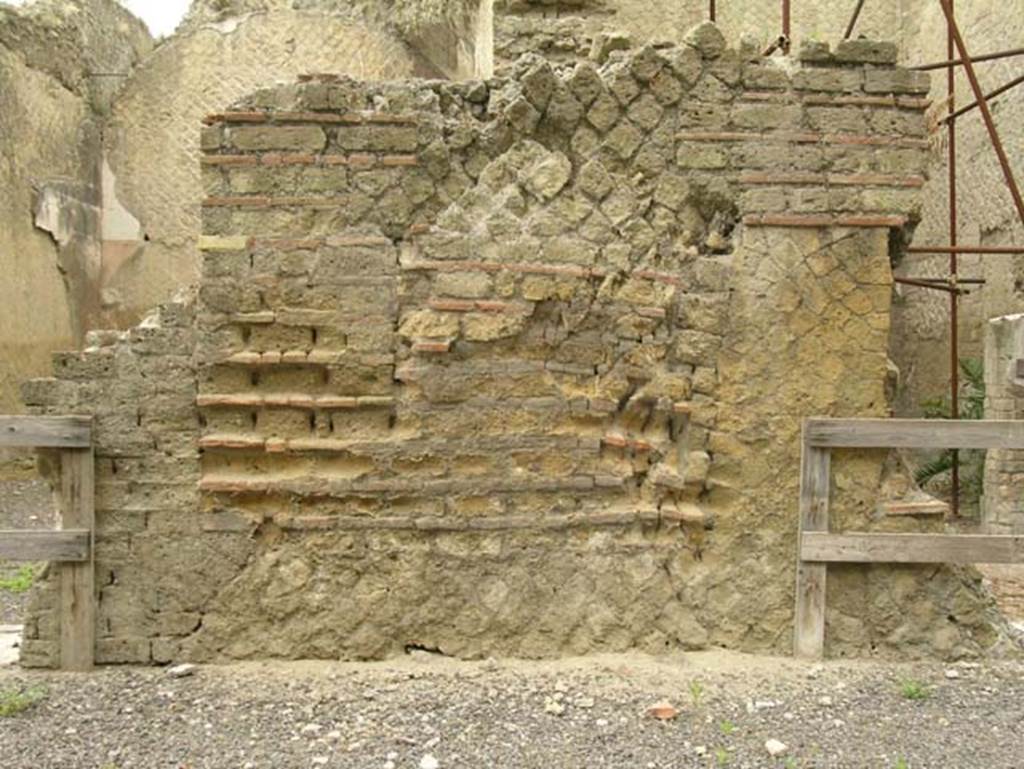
[[424, 711], [24, 504]]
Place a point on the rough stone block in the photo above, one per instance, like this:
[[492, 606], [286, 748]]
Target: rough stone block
[[297, 138], [866, 52], [897, 81]]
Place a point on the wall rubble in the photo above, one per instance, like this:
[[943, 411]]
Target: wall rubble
[[508, 368]]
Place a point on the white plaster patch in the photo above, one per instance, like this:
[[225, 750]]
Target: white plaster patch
[[10, 638], [118, 222]]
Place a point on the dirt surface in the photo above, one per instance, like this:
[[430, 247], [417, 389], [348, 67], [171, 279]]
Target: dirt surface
[[425, 711], [24, 504]]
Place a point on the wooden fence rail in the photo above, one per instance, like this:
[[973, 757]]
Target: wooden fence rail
[[817, 547], [72, 545]]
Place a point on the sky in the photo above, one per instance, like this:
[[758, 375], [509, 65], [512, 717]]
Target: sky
[[161, 16]]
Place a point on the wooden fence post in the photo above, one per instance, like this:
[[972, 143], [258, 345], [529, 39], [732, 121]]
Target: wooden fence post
[[815, 473], [77, 580]]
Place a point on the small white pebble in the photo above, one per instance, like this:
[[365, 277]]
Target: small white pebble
[[951, 673], [775, 747], [182, 671], [429, 762]]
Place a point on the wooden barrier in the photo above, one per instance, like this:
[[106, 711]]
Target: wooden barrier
[[72, 545], [817, 547]]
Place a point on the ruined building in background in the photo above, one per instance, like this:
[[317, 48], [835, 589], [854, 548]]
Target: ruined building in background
[[1002, 505], [101, 215], [101, 210], [515, 367]]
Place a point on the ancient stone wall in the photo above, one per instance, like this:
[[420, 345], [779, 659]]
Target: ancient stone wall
[[1002, 506], [515, 368], [565, 30]]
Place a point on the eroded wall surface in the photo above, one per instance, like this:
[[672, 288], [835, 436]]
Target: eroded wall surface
[[515, 369], [920, 342], [50, 141]]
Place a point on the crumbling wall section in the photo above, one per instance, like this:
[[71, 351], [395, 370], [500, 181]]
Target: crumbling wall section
[[508, 368], [151, 563], [152, 147], [567, 29], [50, 140]]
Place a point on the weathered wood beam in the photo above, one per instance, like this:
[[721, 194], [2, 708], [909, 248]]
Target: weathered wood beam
[[916, 433], [46, 432], [825, 548], [809, 632], [77, 580], [71, 545]]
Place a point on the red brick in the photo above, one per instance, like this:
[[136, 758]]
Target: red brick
[[383, 119], [876, 180], [361, 160], [315, 117], [451, 305], [231, 442], [236, 117], [288, 244], [288, 159], [814, 220], [432, 347]]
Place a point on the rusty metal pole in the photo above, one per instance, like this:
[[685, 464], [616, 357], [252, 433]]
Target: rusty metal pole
[[986, 113], [989, 96], [954, 296], [711, 11], [853, 20], [994, 250], [951, 62], [787, 27], [957, 40]]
